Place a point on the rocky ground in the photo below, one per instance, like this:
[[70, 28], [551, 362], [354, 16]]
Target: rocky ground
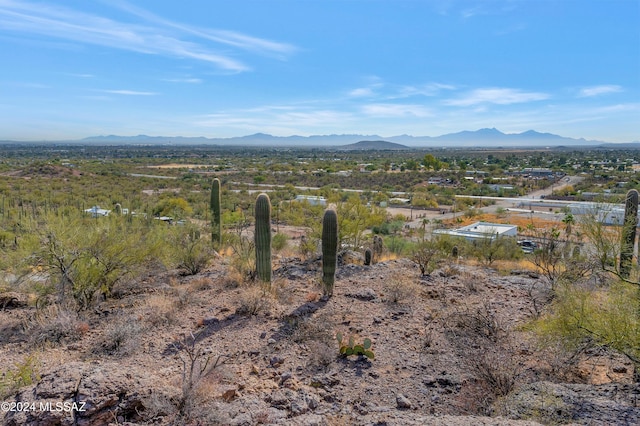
[[450, 348]]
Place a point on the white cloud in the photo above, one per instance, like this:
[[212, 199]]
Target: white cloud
[[231, 38], [361, 92], [430, 89], [156, 36], [500, 96], [586, 92], [130, 92]]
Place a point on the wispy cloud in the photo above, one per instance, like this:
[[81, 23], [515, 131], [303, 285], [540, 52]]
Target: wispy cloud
[[430, 89], [129, 92], [587, 92], [500, 96], [396, 110], [361, 92], [231, 38], [155, 36]]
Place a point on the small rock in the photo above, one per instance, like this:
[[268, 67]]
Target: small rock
[[403, 402], [285, 376], [299, 406], [430, 381], [276, 361], [365, 294]]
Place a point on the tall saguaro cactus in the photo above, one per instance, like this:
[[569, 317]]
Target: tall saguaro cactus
[[216, 221], [262, 236], [628, 232], [329, 250]]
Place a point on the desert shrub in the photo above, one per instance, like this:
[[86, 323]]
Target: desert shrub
[[400, 289], [486, 349], [580, 317], [317, 328], [322, 354], [55, 325], [198, 363], [446, 243], [190, 252], [397, 245], [472, 212], [389, 227], [86, 257], [426, 255], [488, 250], [279, 241], [243, 247], [253, 300], [21, 374], [308, 246], [120, 337], [159, 309]]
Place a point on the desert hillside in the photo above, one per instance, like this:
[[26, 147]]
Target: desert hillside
[[449, 348]]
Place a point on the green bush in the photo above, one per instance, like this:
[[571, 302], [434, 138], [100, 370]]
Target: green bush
[[582, 316], [279, 241]]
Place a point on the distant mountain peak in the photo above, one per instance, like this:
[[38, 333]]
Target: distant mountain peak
[[374, 145], [484, 137]]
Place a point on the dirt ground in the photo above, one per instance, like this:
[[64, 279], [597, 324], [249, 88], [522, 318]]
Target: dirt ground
[[449, 349]]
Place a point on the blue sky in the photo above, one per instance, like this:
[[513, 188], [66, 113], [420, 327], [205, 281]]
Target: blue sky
[[220, 68]]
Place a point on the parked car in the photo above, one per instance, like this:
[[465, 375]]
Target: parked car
[[527, 246]]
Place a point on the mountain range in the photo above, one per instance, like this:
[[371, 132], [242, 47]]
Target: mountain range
[[479, 138]]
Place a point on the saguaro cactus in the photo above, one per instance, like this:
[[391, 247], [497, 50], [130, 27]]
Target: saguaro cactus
[[628, 232], [329, 249], [368, 254], [216, 221], [378, 246], [263, 238]]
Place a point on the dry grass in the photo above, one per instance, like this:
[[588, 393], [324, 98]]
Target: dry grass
[[253, 299], [55, 325], [158, 309], [400, 289], [120, 338]]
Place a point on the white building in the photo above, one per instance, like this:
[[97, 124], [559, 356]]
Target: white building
[[96, 211], [481, 230], [312, 200]]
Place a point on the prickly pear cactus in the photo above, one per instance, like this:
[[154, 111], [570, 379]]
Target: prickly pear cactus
[[368, 255], [263, 238], [329, 250], [628, 232], [216, 222]]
